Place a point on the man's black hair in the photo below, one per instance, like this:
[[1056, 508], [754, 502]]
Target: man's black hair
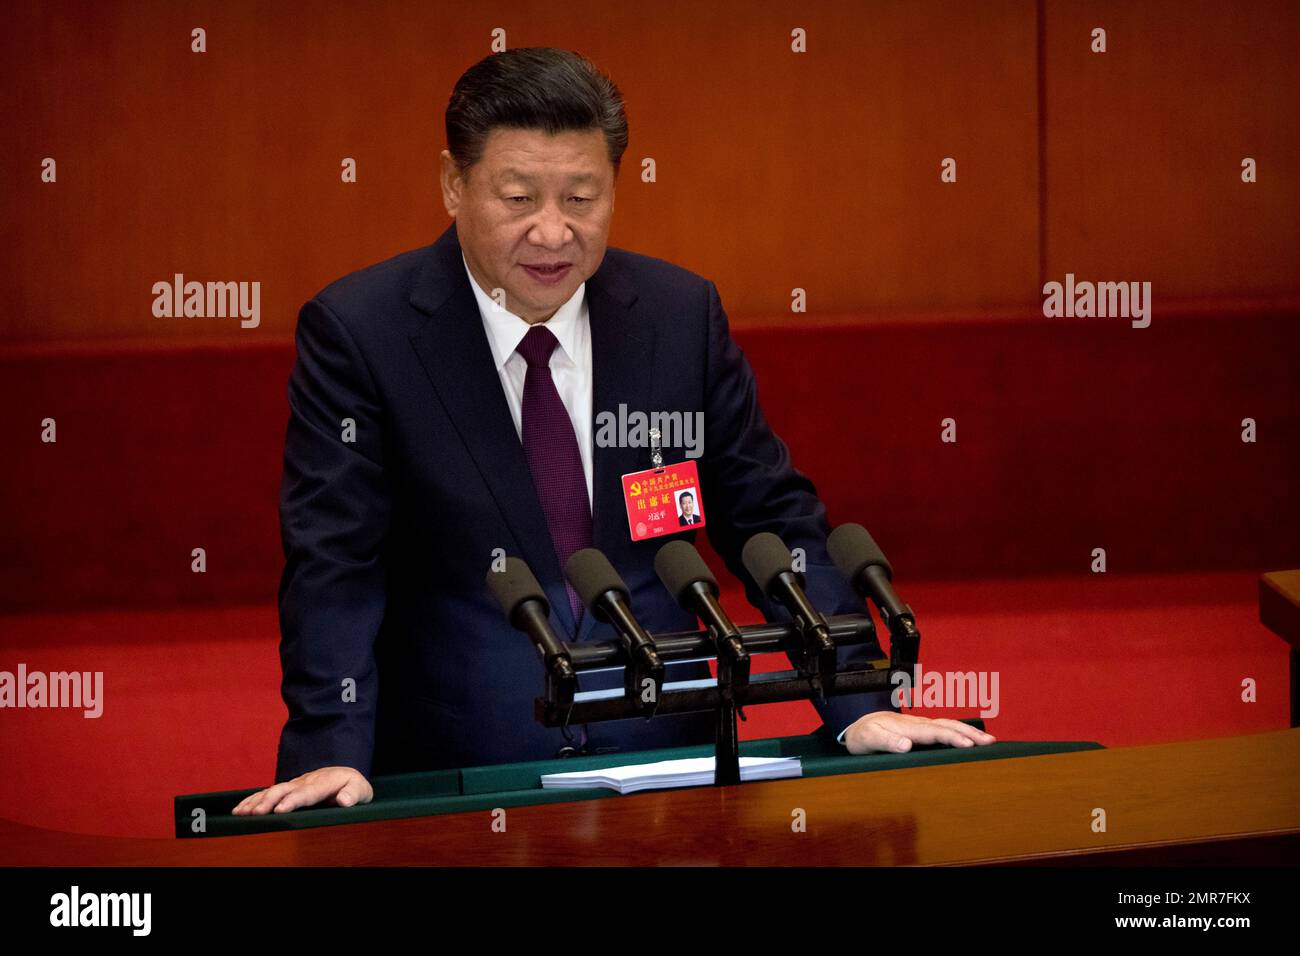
[[533, 88]]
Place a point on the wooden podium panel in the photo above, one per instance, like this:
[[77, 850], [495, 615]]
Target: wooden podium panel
[[1223, 800]]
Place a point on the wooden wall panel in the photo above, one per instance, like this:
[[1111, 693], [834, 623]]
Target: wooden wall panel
[[775, 170], [1145, 143]]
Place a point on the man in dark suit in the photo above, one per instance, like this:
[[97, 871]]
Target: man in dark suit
[[688, 515], [441, 414]]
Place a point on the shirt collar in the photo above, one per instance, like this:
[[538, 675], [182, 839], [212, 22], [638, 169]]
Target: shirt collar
[[506, 330]]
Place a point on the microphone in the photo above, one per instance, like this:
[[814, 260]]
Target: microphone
[[860, 560], [605, 594], [525, 606], [767, 560], [689, 580]]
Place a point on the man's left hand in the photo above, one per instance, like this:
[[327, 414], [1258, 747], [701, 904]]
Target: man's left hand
[[896, 733]]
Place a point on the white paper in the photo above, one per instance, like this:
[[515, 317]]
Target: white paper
[[686, 772]]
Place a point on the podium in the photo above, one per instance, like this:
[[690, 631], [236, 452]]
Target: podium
[[481, 789], [1229, 800]]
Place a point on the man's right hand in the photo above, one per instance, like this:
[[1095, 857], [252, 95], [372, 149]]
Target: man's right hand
[[342, 786]]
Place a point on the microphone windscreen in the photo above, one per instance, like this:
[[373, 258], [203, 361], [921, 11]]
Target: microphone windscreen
[[854, 550], [592, 575], [514, 585], [679, 566], [765, 556]]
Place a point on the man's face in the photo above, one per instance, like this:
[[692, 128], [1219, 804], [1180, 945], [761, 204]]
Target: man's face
[[533, 200], [688, 505]]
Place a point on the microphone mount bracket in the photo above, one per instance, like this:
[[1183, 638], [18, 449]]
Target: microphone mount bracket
[[735, 688]]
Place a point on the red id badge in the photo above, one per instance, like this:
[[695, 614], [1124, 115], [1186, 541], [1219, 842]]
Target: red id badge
[[663, 500]]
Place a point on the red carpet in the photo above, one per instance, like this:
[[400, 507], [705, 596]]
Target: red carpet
[[192, 702]]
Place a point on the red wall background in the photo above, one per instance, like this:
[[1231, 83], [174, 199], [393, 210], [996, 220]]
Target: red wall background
[[775, 170]]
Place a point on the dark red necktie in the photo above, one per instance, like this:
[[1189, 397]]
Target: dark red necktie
[[551, 447]]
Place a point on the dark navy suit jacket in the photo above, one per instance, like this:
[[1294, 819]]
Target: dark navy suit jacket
[[395, 655]]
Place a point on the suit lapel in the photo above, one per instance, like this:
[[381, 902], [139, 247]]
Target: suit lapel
[[454, 350]]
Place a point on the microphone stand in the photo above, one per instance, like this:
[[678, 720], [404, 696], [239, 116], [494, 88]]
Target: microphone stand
[[726, 762], [732, 692]]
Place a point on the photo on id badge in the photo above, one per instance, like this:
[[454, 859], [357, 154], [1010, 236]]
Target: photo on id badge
[[663, 500], [687, 513]]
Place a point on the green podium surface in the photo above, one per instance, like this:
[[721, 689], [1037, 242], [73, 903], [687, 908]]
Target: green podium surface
[[470, 789]]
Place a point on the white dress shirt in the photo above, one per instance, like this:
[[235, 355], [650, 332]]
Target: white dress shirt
[[570, 362]]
